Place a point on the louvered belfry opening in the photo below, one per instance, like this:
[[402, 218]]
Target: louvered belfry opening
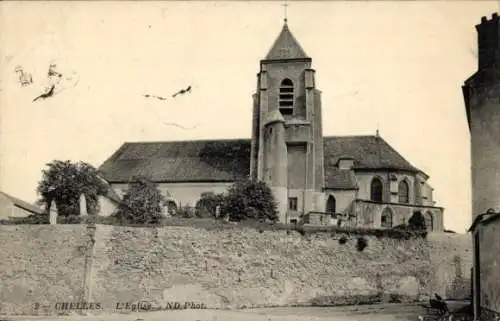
[[286, 97]]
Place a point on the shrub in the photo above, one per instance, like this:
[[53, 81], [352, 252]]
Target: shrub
[[250, 200], [343, 240], [361, 244], [207, 205], [31, 219], [141, 203], [400, 227], [417, 222], [185, 211], [71, 219], [395, 298]]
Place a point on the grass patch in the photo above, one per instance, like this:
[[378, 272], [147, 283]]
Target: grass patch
[[215, 224]]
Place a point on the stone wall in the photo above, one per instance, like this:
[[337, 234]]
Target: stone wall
[[489, 265], [40, 264], [369, 214], [237, 267], [452, 258]]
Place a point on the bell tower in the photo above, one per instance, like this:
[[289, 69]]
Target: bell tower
[[287, 136]]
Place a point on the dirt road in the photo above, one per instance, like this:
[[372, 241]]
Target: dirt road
[[381, 312]]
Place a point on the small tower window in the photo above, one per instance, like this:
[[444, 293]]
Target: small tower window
[[286, 97]]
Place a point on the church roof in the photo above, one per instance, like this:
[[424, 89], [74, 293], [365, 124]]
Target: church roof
[[229, 160], [336, 178], [368, 152], [179, 161], [286, 47]]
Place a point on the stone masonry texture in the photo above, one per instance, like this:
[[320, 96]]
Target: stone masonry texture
[[229, 268], [485, 151], [40, 264]]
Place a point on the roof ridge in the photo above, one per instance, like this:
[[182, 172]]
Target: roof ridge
[[187, 140], [350, 136], [224, 139]]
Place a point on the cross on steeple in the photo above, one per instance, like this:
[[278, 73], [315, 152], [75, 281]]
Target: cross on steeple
[[285, 6]]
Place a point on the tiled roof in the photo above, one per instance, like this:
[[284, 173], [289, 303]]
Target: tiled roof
[[229, 160], [336, 178], [177, 161], [368, 152], [24, 205], [286, 47]]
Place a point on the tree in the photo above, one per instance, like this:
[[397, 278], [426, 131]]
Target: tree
[[250, 200], [142, 203], [64, 182], [417, 221]]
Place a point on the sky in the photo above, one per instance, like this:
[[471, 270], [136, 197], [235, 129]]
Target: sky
[[397, 66]]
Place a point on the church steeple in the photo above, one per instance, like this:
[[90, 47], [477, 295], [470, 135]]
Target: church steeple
[[286, 46], [287, 136]]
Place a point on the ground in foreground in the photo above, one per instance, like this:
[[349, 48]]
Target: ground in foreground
[[379, 312]]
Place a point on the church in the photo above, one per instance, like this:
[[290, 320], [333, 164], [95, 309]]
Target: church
[[358, 180]]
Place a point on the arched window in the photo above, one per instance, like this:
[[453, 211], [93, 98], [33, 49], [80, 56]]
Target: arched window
[[376, 190], [286, 97], [429, 221], [331, 204], [386, 218], [403, 192]]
